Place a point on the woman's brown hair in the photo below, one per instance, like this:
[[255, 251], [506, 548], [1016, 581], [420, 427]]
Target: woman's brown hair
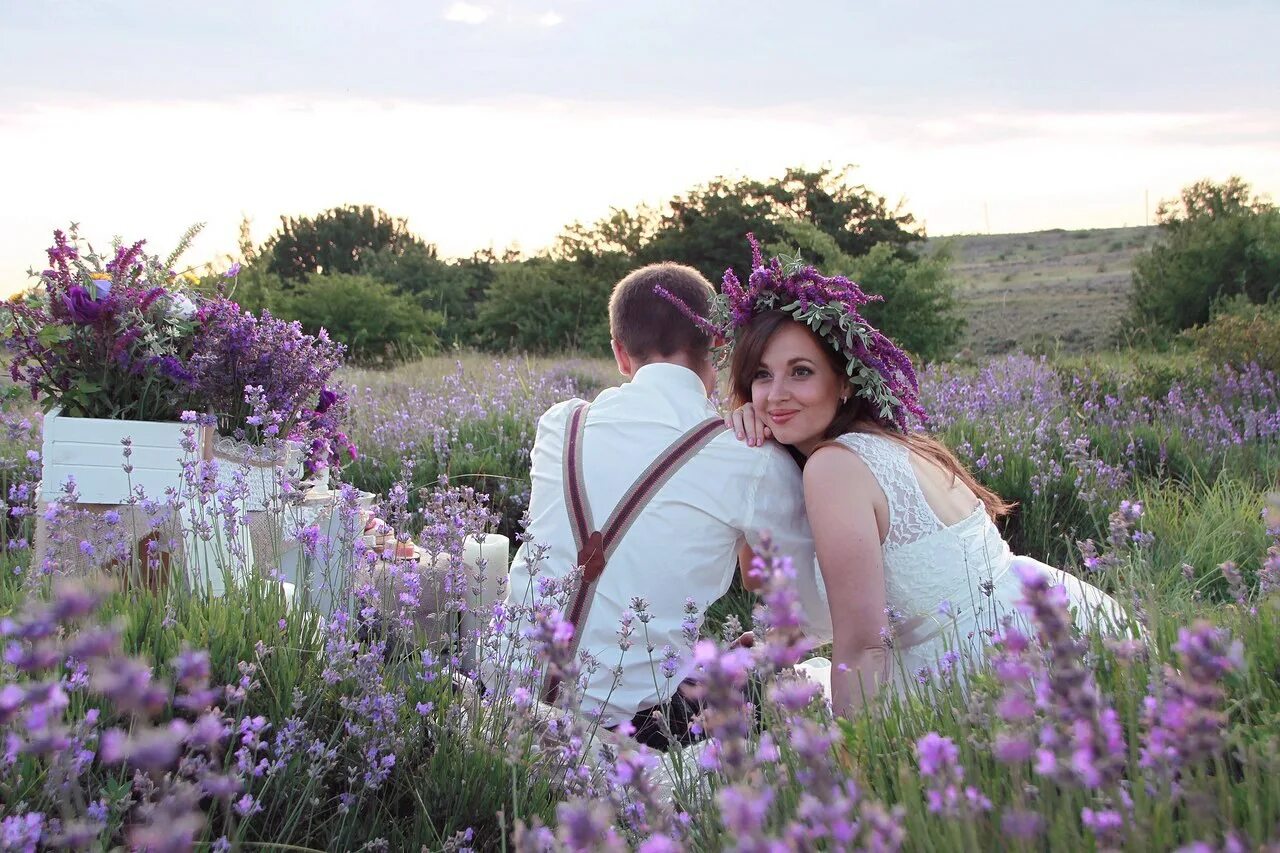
[[854, 415]]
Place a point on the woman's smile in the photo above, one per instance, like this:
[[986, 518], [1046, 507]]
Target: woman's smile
[[794, 390]]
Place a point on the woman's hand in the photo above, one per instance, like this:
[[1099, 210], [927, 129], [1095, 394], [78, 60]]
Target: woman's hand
[[747, 427]]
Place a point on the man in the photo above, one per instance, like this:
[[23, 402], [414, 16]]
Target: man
[[683, 543]]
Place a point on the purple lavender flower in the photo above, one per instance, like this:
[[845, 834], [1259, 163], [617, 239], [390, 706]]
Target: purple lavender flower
[[22, 832], [1185, 719]]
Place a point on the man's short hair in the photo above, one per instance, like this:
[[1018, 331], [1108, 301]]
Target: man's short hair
[[650, 326]]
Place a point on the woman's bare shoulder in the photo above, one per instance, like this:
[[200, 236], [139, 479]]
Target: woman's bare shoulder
[[836, 466]]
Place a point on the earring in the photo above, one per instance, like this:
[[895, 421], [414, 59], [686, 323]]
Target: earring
[[844, 399]]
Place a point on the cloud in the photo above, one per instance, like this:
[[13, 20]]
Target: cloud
[[461, 12], [467, 13], [553, 161]]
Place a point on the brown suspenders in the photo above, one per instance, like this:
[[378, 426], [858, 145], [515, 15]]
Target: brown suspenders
[[596, 546]]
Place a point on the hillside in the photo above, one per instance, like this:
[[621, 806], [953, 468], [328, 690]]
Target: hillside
[[1057, 289]]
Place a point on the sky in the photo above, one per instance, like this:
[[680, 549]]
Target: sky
[[493, 124]]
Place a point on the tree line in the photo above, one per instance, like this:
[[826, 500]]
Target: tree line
[[385, 291]]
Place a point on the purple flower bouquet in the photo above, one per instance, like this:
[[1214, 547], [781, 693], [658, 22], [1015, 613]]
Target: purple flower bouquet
[[265, 379], [123, 340], [104, 340]]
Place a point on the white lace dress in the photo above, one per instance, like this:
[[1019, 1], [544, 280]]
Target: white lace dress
[[947, 586]]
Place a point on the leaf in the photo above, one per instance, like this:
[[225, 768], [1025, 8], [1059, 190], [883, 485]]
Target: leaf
[[52, 334]]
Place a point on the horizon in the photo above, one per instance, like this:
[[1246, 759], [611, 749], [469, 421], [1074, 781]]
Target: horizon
[[491, 125]]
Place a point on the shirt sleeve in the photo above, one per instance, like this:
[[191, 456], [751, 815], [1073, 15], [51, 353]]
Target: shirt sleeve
[[776, 508], [546, 458]]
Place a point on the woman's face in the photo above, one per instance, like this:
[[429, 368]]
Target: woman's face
[[794, 389]]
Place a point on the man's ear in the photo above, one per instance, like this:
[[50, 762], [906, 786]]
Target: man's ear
[[623, 358]]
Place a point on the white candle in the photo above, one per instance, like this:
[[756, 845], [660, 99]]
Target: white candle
[[483, 585], [495, 551]]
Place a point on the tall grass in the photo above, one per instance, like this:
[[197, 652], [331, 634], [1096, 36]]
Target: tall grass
[[340, 694]]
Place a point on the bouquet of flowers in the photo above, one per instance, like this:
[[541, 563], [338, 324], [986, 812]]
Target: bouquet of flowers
[[264, 378], [127, 339], [105, 339]]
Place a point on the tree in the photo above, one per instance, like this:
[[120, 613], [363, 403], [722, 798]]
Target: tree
[[706, 226], [1217, 242], [339, 240], [623, 232], [449, 290], [856, 217]]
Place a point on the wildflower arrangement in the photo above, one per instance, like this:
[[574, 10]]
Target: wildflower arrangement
[[105, 337], [263, 377], [879, 371], [126, 339]]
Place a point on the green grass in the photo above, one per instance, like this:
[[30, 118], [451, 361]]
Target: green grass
[[460, 765]]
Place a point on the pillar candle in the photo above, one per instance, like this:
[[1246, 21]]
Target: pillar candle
[[496, 553]]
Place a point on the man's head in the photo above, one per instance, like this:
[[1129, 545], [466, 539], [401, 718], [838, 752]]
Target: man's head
[[648, 328]]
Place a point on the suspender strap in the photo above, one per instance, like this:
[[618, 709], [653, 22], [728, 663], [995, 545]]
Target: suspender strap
[[595, 547], [590, 550]]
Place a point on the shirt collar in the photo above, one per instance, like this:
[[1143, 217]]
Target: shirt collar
[[672, 378]]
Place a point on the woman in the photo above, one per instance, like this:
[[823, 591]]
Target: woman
[[912, 562]]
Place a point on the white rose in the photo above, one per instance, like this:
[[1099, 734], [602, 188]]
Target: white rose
[[181, 307]]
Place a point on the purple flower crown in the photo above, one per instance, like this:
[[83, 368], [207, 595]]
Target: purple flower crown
[[879, 371]]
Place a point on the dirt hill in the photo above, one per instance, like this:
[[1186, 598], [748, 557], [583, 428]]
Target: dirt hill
[[1044, 289]]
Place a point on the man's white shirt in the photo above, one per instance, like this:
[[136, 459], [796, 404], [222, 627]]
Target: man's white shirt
[[684, 543]]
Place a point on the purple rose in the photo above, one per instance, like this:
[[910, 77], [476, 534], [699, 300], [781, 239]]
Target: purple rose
[[82, 307], [327, 399]]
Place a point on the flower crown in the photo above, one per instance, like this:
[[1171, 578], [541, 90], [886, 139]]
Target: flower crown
[[879, 371]]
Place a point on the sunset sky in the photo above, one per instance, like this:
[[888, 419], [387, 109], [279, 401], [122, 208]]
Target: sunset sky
[[491, 124]]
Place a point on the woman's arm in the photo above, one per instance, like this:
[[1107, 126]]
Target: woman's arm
[[839, 495], [745, 557]]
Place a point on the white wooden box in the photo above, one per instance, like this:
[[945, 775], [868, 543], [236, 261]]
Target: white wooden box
[[89, 450]]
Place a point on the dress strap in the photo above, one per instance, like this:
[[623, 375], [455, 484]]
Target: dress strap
[[910, 516]]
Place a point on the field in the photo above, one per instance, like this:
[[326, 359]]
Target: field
[[1045, 290], [234, 722]]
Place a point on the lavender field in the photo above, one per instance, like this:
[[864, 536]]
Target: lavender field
[[176, 720]]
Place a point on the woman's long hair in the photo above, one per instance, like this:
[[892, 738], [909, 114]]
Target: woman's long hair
[[855, 415]]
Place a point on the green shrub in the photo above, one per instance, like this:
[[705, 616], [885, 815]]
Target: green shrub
[[1216, 243], [375, 322], [1240, 334], [449, 290], [543, 305]]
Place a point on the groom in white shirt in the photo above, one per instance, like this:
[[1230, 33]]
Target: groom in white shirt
[[684, 543]]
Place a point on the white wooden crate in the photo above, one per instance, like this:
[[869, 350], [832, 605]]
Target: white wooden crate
[[89, 449]]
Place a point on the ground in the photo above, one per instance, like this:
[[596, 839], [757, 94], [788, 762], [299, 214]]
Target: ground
[[1051, 290]]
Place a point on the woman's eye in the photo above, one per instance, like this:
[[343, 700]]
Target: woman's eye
[[802, 371], [760, 374]]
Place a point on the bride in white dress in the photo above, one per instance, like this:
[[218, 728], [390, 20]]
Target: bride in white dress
[[911, 560]]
